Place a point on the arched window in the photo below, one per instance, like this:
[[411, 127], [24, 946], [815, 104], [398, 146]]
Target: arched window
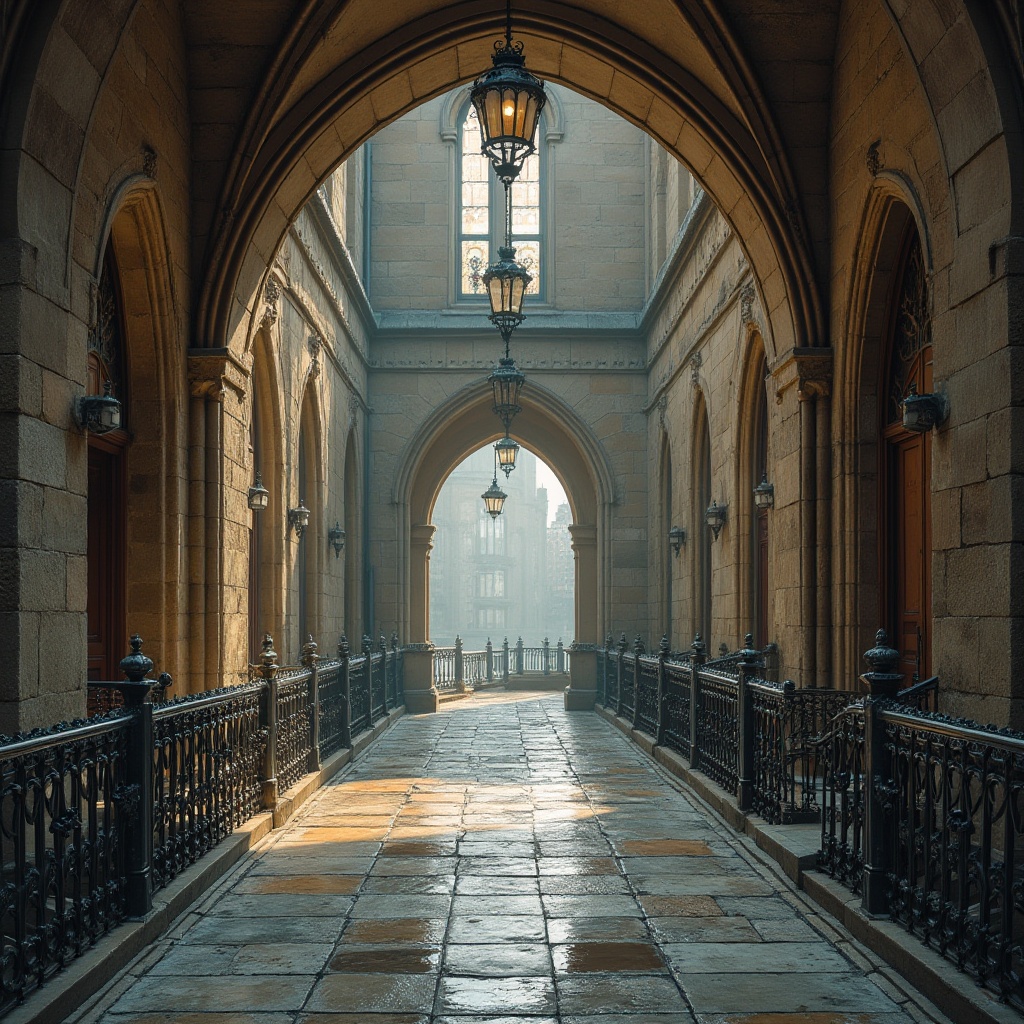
[[905, 473], [107, 498], [702, 487], [759, 539], [481, 225]]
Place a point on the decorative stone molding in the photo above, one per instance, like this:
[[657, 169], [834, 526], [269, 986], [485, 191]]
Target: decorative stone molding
[[872, 158], [810, 369], [316, 343], [212, 372], [271, 296]]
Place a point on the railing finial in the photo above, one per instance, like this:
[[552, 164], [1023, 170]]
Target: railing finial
[[135, 665]]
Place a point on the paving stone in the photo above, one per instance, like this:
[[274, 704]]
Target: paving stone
[[373, 993], [847, 992], [498, 960], [300, 884], [392, 930], [242, 931], [382, 959], [458, 995], [602, 994], [487, 885], [400, 906], [221, 993], [703, 929]]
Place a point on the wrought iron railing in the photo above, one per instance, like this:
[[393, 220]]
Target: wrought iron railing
[[97, 815], [456, 669], [65, 799]]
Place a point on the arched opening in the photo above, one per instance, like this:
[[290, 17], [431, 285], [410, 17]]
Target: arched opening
[[353, 541], [506, 576], [547, 426], [665, 553], [308, 544], [905, 465], [702, 577], [107, 498]]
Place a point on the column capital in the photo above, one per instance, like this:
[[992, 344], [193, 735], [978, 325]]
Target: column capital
[[422, 535], [212, 371], [810, 369], [582, 535]]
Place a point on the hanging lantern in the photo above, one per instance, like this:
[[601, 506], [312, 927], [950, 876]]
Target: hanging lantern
[[506, 282], [508, 101], [506, 450], [494, 498], [506, 382]]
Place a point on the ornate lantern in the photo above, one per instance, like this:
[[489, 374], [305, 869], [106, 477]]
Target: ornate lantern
[[506, 450]]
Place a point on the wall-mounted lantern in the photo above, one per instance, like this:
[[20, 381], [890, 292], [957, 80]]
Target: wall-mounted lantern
[[299, 518], [715, 517], [336, 538], [259, 496], [99, 414], [676, 539], [764, 494], [922, 412]]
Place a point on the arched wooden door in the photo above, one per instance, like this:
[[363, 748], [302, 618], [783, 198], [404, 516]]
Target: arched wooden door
[[106, 545], [905, 474]]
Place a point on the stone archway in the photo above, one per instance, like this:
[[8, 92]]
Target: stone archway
[[555, 432]]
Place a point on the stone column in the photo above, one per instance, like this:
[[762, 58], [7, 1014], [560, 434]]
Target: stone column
[[421, 541], [581, 693]]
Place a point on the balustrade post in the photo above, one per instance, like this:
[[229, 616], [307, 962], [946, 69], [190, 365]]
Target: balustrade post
[[699, 652], [310, 659], [560, 657], [638, 651], [345, 679], [547, 656], [519, 656], [505, 664], [268, 720], [663, 652], [747, 725], [137, 799], [460, 672], [622, 645], [490, 660], [609, 644], [883, 680]]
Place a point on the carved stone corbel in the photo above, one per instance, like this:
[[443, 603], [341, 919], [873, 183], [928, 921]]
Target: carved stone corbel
[[809, 369], [214, 372]]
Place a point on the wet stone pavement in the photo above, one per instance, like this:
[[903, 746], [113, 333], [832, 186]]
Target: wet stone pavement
[[505, 862]]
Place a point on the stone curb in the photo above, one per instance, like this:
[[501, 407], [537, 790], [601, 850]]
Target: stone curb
[[68, 990], [794, 849]]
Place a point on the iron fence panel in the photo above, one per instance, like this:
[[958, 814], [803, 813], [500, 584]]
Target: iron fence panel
[[841, 750], [330, 684], [64, 806], [677, 706], [294, 725], [647, 696], [207, 761], [718, 727]]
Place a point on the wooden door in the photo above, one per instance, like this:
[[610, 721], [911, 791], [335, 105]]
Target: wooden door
[[911, 550], [107, 640]]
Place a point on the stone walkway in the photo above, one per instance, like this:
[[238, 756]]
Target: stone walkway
[[503, 861]]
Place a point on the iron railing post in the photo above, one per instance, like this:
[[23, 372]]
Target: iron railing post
[[621, 647], [519, 656], [696, 664], [396, 664], [345, 679], [608, 646], [547, 656], [460, 677], [638, 652], [310, 659], [268, 720], [883, 680], [663, 652], [560, 657], [747, 725], [505, 664], [139, 772], [367, 652], [383, 645], [490, 660]]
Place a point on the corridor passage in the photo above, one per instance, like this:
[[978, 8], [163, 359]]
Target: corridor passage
[[503, 861]]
